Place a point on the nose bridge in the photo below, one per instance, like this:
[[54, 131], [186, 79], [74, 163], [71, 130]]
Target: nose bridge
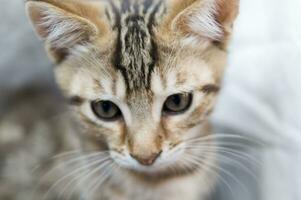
[[143, 134], [144, 138]]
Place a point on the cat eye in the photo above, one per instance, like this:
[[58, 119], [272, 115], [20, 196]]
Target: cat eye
[[106, 110], [177, 103]]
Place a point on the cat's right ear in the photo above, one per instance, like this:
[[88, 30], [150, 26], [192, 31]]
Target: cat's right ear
[[64, 24]]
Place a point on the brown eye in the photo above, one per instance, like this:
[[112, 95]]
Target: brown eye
[[177, 103], [106, 110]]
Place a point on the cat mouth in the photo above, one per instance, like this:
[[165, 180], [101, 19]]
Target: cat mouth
[[161, 163], [154, 175], [158, 170], [135, 167], [138, 168]]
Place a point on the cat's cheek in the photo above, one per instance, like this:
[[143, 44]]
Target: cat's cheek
[[175, 125], [196, 131], [171, 154], [124, 160]]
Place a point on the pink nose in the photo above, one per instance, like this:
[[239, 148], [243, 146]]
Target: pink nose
[[148, 160]]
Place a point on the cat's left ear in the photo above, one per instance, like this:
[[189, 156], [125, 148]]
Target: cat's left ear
[[198, 21]]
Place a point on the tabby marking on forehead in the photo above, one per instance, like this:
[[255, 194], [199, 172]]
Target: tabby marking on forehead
[[136, 50]]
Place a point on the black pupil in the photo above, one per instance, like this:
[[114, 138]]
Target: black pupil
[[106, 106], [176, 99]]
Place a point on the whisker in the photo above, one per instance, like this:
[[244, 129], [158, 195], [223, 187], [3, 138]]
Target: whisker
[[184, 165], [223, 171], [62, 164], [240, 164], [227, 150], [223, 143], [66, 153], [88, 175], [69, 175], [81, 173], [203, 165], [96, 184], [226, 136], [75, 160]]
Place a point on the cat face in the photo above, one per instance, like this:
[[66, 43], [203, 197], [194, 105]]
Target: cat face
[[142, 75]]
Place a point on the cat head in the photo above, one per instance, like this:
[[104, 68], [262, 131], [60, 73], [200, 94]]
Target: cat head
[[142, 75]]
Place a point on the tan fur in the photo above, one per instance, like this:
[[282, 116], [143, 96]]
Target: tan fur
[[186, 60]]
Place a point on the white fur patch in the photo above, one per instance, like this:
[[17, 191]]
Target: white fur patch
[[204, 22], [171, 80], [157, 85], [82, 85], [107, 85], [158, 90], [120, 87]]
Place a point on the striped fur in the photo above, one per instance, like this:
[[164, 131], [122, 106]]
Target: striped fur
[[136, 53], [136, 50]]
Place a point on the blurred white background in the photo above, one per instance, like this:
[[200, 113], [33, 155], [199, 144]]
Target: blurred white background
[[261, 96]]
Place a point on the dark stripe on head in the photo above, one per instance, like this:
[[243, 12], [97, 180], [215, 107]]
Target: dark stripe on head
[[136, 50], [117, 57], [154, 49]]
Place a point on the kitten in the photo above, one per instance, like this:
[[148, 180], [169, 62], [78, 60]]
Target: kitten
[[141, 77]]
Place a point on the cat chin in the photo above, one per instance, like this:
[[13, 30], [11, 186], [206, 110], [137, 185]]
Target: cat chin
[[151, 170]]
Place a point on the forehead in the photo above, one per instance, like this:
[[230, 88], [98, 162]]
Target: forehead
[[136, 51], [139, 65]]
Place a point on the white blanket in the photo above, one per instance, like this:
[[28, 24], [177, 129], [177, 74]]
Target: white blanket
[[262, 93]]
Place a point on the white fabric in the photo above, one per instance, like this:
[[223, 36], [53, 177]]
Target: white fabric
[[262, 93]]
